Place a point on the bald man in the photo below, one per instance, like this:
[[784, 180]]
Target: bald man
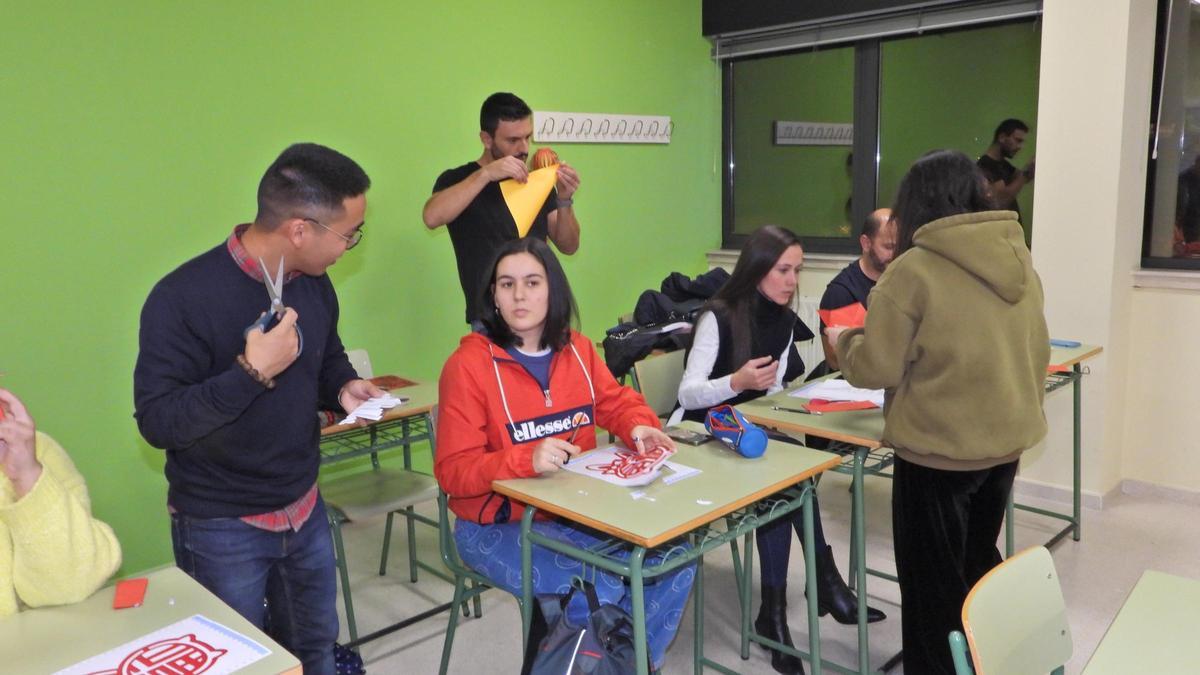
[[854, 283]]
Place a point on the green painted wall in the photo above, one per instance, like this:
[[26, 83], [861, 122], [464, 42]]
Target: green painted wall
[[950, 90], [135, 133]]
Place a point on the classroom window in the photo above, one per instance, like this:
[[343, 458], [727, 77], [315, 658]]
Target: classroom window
[[871, 107], [791, 166], [1171, 233]]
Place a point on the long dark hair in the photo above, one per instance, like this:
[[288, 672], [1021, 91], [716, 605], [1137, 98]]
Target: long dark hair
[[561, 312], [941, 183], [736, 299]]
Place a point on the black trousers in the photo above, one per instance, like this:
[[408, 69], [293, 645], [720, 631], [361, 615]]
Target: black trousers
[[945, 525]]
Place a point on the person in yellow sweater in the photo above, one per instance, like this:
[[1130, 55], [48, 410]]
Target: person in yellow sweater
[[52, 551]]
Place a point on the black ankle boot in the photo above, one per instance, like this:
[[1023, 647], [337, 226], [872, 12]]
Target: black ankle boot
[[834, 596], [772, 623]]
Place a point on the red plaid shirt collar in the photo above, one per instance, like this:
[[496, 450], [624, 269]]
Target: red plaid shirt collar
[[244, 260]]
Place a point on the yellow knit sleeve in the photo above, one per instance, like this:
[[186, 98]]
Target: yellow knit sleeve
[[61, 554]]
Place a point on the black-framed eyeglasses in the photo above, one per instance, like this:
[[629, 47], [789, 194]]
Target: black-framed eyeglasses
[[351, 240]]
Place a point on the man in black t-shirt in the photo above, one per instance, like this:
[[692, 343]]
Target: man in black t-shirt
[[1003, 179], [853, 284], [467, 199]]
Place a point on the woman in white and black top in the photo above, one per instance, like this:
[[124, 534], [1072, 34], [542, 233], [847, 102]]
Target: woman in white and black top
[[744, 347]]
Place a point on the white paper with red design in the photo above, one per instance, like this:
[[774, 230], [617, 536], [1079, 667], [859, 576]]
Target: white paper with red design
[[189, 647], [620, 466]]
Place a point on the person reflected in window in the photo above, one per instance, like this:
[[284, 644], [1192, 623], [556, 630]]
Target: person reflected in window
[[1004, 180], [744, 348], [1186, 243], [957, 338], [52, 551]]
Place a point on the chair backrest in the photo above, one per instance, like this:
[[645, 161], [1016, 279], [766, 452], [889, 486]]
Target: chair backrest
[[658, 377], [1015, 618], [361, 362]]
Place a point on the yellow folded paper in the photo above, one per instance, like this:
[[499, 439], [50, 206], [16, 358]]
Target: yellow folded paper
[[526, 199]]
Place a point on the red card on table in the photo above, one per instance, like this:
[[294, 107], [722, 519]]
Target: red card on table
[[823, 406], [130, 593], [851, 316]]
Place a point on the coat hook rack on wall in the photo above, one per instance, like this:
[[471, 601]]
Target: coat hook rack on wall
[[568, 127]]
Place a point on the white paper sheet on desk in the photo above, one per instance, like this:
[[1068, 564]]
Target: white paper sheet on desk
[[372, 409], [623, 467], [839, 390], [195, 645]]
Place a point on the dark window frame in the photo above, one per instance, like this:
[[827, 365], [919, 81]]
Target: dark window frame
[[868, 74], [1149, 261]]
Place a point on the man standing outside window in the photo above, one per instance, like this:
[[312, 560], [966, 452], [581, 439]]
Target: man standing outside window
[[1004, 180], [467, 199], [234, 402]]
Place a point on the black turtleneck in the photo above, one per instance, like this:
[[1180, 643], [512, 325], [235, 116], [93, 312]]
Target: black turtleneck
[[775, 328]]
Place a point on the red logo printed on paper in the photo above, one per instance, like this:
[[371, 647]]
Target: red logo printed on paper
[[184, 655], [628, 464]]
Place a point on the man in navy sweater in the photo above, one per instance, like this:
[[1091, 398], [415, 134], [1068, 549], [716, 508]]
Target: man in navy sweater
[[236, 410]]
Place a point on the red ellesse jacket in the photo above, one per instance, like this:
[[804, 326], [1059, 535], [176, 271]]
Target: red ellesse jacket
[[492, 413]]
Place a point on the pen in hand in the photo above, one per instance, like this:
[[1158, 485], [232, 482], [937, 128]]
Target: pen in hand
[[571, 440]]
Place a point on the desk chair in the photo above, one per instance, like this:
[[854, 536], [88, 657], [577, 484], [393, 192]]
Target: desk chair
[[1015, 620], [372, 493], [657, 377]]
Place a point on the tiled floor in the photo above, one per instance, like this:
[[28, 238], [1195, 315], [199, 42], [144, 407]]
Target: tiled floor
[[1128, 536]]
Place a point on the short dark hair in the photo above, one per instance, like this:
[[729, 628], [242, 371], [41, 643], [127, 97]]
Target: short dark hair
[[941, 183], [561, 312], [736, 298], [1008, 126], [501, 106], [307, 175]]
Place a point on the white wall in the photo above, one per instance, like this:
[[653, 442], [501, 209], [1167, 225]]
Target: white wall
[[1093, 116]]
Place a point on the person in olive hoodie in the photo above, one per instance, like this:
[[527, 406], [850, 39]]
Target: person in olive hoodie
[[957, 337]]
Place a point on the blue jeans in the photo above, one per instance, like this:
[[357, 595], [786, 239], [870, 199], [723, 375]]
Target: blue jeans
[[495, 552], [292, 571]]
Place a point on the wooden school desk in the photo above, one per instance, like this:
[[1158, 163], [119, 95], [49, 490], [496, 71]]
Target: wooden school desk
[[860, 434], [1154, 631], [52, 638], [727, 490]]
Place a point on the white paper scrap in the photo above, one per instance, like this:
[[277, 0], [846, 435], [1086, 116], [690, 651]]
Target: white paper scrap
[[838, 390], [372, 409], [193, 645]]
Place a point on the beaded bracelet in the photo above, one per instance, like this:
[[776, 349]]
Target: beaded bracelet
[[258, 377]]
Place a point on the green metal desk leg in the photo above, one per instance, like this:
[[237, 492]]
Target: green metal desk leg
[[698, 608], [637, 589], [1009, 526], [810, 574], [859, 527], [527, 575], [744, 590], [1076, 390]]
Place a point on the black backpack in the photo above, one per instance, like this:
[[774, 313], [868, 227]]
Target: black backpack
[[602, 646]]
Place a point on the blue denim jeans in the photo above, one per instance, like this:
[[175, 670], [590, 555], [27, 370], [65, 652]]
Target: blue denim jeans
[[495, 552], [292, 571]]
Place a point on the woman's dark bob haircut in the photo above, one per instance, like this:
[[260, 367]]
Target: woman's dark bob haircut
[[941, 183], [561, 312]]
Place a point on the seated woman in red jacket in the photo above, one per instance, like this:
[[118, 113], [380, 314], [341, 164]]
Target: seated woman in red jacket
[[518, 401]]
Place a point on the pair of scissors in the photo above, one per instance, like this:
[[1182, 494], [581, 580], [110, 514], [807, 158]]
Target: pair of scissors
[[275, 312]]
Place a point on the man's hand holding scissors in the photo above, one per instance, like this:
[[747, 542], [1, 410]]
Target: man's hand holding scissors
[[271, 352]]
